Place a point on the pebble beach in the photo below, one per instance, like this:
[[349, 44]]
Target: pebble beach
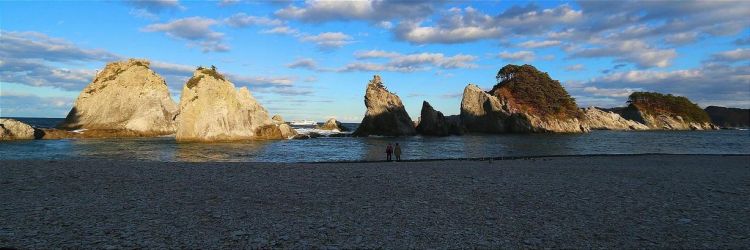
[[637, 201]]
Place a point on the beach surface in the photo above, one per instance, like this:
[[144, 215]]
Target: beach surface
[[647, 201]]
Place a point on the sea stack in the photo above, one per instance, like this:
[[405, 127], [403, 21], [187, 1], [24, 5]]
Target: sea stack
[[433, 122], [525, 100], [11, 129], [212, 109], [126, 98], [333, 124], [606, 120], [385, 114], [665, 112]]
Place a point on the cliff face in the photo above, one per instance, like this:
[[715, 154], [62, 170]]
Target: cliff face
[[385, 113], [525, 101], [433, 122], [212, 109], [126, 98], [606, 120], [666, 112], [729, 117], [11, 129]]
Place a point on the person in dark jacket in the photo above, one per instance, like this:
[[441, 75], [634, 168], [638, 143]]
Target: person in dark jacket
[[397, 152], [388, 152]]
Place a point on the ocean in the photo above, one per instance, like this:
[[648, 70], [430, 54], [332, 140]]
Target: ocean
[[328, 149]]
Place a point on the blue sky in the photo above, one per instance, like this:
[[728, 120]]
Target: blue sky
[[312, 59]]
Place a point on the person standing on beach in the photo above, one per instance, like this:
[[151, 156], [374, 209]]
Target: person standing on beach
[[388, 152], [397, 152]]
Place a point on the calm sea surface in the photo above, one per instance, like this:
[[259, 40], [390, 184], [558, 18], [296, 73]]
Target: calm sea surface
[[372, 148]]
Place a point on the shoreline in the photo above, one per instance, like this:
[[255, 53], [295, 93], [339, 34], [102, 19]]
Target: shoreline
[[471, 159], [645, 201]]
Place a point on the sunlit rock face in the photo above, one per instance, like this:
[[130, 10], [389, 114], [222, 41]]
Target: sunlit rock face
[[665, 112], [11, 129], [606, 120], [385, 114], [126, 98], [212, 109], [525, 101], [433, 122], [333, 124]]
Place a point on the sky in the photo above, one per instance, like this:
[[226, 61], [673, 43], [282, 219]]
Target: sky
[[313, 59]]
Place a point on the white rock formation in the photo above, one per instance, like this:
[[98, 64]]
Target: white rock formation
[[212, 109], [603, 120], [128, 97], [11, 129]]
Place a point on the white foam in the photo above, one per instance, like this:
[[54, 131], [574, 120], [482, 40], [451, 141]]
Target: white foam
[[307, 131]]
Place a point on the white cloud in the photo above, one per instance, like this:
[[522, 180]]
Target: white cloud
[[367, 10], [149, 9], [523, 55], [281, 30], [375, 54], [619, 92], [156, 5], [243, 20], [635, 51], [539, 44], [469, 24], [26, 104], [736, 55], [408, 62], [196, 30], [328, 40], [304, 63], [35, 45], [681, 38], [575, 67], [709, 84]]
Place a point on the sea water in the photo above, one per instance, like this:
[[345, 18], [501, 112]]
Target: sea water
[[324, 149]]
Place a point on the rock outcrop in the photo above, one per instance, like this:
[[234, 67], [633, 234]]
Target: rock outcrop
[[665, 112], [127, 98], [385, 114], [212, 109], [333, 124], [526, 101], [277, 119], [433, 122], [11, 129], [606, 120], [729, 117]]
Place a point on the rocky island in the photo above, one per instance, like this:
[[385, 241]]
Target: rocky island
[[524, 100], [126, 98], [665, 112], [433, 122], [212, 109], [385, 114]]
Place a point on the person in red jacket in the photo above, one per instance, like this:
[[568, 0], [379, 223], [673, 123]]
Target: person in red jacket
[[388, 152]]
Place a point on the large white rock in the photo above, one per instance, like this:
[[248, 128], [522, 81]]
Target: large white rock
[[126, 98], [11, 129], [602, 120], [212, 109]]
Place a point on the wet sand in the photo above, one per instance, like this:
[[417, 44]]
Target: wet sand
[[649, 201]]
